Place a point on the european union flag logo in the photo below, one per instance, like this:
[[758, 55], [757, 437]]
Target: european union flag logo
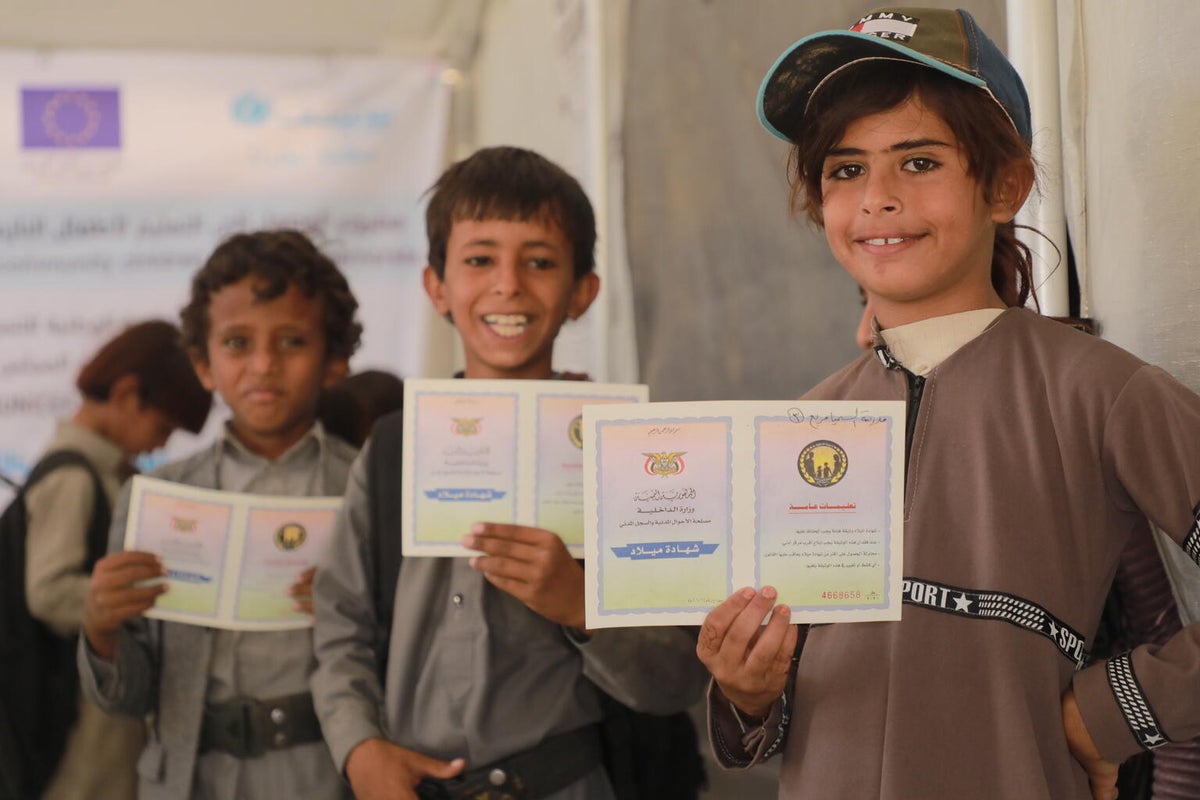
[[67, 118]]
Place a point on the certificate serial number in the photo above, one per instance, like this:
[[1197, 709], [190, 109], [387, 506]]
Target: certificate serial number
[[843, 595]]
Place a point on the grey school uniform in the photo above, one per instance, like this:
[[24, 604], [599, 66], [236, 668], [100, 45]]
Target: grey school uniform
[[200, 665], [472, 672]]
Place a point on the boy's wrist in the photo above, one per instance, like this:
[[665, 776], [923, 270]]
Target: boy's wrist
[[102, 644], [747, 721]]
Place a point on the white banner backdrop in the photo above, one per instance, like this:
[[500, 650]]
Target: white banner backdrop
[[119, 173]]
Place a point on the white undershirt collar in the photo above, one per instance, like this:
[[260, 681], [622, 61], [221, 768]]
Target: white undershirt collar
[[921, 346]]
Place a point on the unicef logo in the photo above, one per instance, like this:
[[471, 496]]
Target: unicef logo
[[251, 109]]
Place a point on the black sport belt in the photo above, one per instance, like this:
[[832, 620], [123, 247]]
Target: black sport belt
[[1003, 606], [537, 772], [248, 727]]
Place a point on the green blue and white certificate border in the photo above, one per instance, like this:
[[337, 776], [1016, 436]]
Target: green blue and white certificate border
[[603, 523], [888, 598]]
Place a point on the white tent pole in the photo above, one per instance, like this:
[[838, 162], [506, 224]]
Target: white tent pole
[[1033, 49], [597, 160]]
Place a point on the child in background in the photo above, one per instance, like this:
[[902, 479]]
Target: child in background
[[349, 410], [136, 390], [492, 684], [1033, 452], [271, 321]]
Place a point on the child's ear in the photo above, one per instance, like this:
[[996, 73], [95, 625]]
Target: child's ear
[[435, 287], [1012, 188], [200, 365], [582, 294], [336, 369]]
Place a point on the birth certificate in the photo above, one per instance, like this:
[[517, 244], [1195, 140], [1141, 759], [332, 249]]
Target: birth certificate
[[687, 502], [496, 451], [230, 557]]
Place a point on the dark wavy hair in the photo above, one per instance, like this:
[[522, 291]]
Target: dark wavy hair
[[278, 259], [349, 409], [986, 135], [152, 352], [510, 183]]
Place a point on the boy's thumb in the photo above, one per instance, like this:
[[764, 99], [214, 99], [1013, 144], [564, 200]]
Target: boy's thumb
[[446, 769]]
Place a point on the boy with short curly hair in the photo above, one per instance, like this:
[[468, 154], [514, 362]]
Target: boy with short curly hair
[[270, 323]]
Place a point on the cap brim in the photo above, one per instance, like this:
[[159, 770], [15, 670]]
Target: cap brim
[[791, 80]]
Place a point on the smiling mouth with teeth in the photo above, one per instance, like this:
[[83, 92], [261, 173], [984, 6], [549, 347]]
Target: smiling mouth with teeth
[[506, 324], [889, 240]]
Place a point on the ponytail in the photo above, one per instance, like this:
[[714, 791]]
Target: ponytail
[[1012, 267]]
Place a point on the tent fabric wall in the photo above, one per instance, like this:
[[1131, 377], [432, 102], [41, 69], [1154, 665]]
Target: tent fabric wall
[[540, 79]]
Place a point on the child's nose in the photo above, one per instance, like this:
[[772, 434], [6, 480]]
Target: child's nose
[[264, 359], [880, 194], [507, 278]]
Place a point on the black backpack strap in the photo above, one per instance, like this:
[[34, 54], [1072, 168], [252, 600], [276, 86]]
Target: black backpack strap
[[651, 756], [383, 493], [39, 694], [97, 537]]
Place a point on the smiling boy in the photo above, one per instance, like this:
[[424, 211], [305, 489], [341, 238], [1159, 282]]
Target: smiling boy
[[906, 218], [508, 286], [270, 323], [493, 688]]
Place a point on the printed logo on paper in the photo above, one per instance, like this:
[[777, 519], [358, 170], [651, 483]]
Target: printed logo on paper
[[70, 118], [290, 536], [466, 426], [664, 464], [888, 25], [822, 463], [575, 431], [184, 525]]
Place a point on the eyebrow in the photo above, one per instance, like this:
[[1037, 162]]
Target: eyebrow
[[494, 243], [907, 144]]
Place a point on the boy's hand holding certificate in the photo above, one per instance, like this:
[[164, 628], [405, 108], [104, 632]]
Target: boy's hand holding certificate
[[231, 558], [687, 502], [495, 451]]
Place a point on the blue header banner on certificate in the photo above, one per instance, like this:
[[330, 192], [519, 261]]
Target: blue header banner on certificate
[[230, 557], [496, 451], [684, 503]]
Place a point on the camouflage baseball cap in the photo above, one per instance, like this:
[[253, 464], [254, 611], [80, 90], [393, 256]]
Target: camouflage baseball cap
[[948, 41]]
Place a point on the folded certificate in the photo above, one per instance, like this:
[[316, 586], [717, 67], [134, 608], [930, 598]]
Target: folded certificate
[[230, 557], [496, 451], [685, 503]]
